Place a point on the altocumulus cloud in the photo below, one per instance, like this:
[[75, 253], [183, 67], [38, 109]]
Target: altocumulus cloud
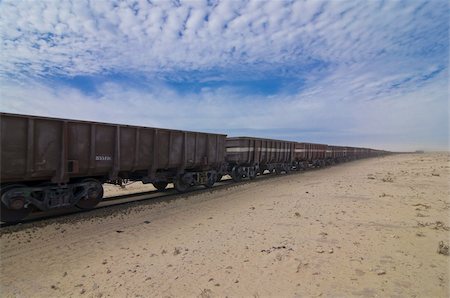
[[369, 73]]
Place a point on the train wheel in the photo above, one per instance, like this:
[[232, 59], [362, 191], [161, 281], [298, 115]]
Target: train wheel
[[180, 185], [18, 212], [94, 194], [160, 185], [211, 180], [236, 174], [287, 169], [252, 173]]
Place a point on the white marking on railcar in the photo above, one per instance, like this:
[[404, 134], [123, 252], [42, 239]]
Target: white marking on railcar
[[240, 149], [103, 157]]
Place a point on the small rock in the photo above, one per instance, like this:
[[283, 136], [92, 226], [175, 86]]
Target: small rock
[[236, 281], [330, 251], [64, 274], [443, 248], [176, 251], [320, 250], [217, 285], [387, 179], [206, 293], [300, 266], [54, 287], [380, 272], [82, 291]]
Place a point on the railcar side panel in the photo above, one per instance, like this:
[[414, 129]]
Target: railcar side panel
[[47, 149], [248, 150], [14, 141], [79, 144]]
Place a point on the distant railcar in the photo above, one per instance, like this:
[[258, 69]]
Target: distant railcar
[[336, 154], [310, 155], [247, 156]]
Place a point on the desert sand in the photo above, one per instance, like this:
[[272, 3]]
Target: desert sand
[[367, 228]]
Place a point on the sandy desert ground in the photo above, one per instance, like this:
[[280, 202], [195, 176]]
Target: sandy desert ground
[[368, 228]]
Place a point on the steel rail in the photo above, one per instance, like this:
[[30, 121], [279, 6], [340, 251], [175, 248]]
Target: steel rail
[[134, 198], [130, 199]]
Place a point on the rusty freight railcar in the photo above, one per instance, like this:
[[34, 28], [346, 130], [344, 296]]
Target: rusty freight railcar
[[310, 155], [351, 153], [355, 153], [337, 153], [359, 153], [246, 156], [49, 163]]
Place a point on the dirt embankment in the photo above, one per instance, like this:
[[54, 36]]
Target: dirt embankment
[[376, 227]]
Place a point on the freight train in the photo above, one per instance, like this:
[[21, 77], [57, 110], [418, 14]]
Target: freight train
[[49, 163]]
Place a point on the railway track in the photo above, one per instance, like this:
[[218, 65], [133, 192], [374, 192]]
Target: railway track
[[130, 199], [136, 198], [125, 199]]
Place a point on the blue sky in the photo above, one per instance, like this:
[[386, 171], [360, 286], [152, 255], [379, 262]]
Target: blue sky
[[363, 73]]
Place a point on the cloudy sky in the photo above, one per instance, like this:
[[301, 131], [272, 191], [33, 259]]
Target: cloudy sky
[[363, 73]]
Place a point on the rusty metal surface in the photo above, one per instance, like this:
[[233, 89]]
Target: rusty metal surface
[[337, 151], [247, 150], [41, 148], [310, 151]]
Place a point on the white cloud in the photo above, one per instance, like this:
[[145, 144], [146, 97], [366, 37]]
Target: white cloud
[[88, 37], [371, 72]]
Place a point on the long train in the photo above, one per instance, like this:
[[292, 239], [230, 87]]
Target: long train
[[49, 163]]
